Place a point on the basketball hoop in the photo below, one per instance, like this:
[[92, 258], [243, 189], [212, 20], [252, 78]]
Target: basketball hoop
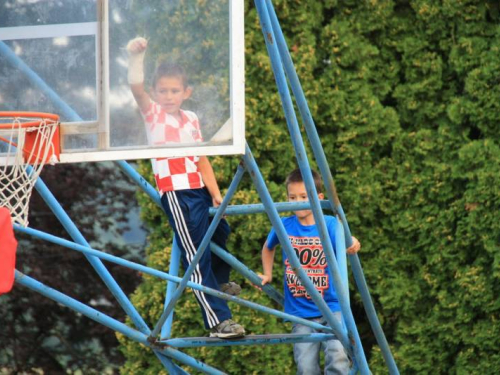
[[28, 140]]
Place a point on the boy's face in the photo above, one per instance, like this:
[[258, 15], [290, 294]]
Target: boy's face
[[297, 193], [170, 93]]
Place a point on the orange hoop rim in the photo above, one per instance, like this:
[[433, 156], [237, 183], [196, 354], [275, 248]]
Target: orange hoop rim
[[40, 115]]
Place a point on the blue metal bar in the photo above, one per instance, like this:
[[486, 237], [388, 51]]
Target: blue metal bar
[[175, 260], [171, 367], [110, 322], [190, 361], [73, 304], [245, 209], [342, 261], [199, 252], [34, 78], [165, 276], [140, 181], [95, 262], [246, 272], [342, 256], [196, 342], [330, 187], [301, 155], [265, 197]]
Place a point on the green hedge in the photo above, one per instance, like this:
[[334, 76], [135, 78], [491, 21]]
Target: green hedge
[[405, 98]]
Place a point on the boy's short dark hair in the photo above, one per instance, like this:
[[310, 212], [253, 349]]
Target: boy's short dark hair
[[296, 176], [170, 69]]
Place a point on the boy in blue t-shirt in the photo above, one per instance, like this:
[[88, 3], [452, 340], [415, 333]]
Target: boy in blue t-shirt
[[304, 237]]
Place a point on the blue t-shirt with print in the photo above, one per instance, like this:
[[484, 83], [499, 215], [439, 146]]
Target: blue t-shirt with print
[[306, 242]]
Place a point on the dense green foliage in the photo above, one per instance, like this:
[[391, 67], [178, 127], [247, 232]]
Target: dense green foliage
[[405, 98]]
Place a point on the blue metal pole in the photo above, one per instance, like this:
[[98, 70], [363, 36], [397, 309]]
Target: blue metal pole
[[342, 256], [245, 209], [301, 155], [265, 197], [164, 276], [342, 261], [34, 78], [79, 307], [330, 187], [197, 342], [246, 272], [199, 252], [190, 361], [140, 181], [95, 262], [175, 261], [111, 323]]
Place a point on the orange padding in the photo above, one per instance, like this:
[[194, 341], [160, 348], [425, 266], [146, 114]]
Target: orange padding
[[8, 246]]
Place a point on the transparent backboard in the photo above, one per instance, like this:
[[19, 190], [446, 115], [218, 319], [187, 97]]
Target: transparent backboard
[[69, 58]]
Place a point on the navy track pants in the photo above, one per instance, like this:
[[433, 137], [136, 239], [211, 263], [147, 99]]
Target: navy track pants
[[187, 212]]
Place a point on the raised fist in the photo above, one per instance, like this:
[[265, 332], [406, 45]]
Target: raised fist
[[137, 45]]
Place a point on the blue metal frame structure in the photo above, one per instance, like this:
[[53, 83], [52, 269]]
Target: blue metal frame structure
[[158, 339]]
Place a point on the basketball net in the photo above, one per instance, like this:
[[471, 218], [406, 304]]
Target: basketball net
[[27, 143]]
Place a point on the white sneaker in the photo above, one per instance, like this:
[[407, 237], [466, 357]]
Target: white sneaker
[[227, 329]]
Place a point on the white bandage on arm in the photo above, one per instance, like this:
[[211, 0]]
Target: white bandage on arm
[[135, 66]]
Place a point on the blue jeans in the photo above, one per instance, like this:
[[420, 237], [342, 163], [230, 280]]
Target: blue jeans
[[306, 355]]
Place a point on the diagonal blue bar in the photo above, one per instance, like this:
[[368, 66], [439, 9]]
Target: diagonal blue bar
[[95, 262], [175, 261], [330, 186], [263, 192], [111, 323], [165, 276], [247, 272], [140, 181]]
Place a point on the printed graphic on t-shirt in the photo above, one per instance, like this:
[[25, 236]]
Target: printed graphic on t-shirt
[[312, 259]]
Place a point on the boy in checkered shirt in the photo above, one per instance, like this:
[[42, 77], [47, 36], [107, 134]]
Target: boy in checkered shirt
[[187, 185]]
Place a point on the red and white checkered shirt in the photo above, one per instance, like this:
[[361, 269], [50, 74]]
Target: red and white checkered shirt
[[173, 173]]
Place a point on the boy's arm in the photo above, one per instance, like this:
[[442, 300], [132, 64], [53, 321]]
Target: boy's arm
[[267, 264], [208, 176], [136, 49]]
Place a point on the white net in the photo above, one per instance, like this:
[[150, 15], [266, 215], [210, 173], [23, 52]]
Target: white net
[[25, 147]]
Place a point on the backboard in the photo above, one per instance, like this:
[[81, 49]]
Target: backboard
[[68, 57]]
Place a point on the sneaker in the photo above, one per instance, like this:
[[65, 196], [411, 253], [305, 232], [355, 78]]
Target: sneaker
[[227, 329], [230, 288]]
